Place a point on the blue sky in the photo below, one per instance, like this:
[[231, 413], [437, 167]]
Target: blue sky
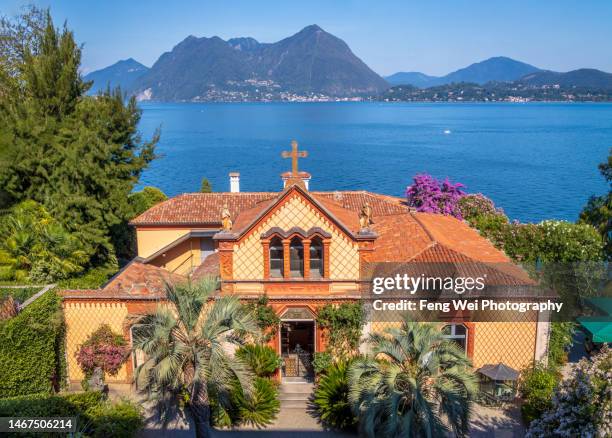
[[434, 36]]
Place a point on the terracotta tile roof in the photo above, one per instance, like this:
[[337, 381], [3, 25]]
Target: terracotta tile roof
[[209, 267], [135, 281], [205, 208], [400, 238], [349, 218], [200, 208], [459, 236]]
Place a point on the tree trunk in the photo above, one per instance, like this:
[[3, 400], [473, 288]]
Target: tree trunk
[[200, 408]]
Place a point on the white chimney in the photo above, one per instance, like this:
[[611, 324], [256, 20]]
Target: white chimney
[[234, 182]]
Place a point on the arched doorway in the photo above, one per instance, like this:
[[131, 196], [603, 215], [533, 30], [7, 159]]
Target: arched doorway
[[297, 343]]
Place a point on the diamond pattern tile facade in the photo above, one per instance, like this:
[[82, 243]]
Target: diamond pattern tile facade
[[511, 343], [82, 319], [248, 254]]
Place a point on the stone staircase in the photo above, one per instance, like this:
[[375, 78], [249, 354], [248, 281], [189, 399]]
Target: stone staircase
[[295, 394]]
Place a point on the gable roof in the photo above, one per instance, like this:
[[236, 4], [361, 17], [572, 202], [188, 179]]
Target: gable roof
[[346, 220], [205, 208]]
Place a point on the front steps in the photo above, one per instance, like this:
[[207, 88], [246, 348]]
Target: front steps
[[295, 394]]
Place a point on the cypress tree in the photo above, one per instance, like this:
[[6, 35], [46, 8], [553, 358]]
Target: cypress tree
[[79, 156]]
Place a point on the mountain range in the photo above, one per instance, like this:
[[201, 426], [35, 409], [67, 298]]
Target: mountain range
[[310, 63], [499, 68]]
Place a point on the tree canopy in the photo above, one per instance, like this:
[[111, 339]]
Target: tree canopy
[[79, 156]]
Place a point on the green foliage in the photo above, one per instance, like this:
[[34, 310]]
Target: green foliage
[[31, 351], [567, 242], [146, 198], [343, 323], [19, 294], [80, 156], [95, 416], [189, 335], [582, 404], [413, 380], [206, 187], [261, 407], [561, 336], [331, 397], [262, 359], [598, 211], [37, 248], [537, 386], [94, 278], [321, 362], [266, 317]]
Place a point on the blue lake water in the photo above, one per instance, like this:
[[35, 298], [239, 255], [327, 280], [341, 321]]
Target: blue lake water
[[536, 160]]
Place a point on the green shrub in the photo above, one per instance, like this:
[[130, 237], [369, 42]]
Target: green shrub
[[267, 319], [537, 386], [31, 352], [262, 359], [262, 407], [122, 419], [561, 338], [322, 362], [96, 417], [331, 398], [343, 323]]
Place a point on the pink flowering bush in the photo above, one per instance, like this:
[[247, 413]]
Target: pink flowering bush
[[103, 349], [429, 195]]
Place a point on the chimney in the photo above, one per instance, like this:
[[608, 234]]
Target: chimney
[[234, 182]]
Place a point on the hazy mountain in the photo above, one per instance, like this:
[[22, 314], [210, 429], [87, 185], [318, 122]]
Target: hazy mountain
[[582, 78], [496, 69], [122, 73], [414, 78], [311, 61]]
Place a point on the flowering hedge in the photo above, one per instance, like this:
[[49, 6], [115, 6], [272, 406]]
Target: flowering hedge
[[104, 349], [582, 405], [429, 195]]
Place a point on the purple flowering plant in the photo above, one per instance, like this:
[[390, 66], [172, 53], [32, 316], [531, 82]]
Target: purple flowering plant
[[430, 195]]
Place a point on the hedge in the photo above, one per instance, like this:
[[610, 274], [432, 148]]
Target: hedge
[[32, 349], [96, 417]]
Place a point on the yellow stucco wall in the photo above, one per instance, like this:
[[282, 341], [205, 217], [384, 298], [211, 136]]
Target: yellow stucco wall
[[248, 255], [82, 319], [182, 258], [512, 343], [152, 240]]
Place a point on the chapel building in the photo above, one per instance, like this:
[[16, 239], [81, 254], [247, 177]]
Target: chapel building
[[303, 249]]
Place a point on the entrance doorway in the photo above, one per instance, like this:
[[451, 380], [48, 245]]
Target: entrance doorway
[[297, 348]]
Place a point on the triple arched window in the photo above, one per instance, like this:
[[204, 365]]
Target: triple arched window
[[296, 257]]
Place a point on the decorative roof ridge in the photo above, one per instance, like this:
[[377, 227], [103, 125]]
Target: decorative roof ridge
[[286, 191]]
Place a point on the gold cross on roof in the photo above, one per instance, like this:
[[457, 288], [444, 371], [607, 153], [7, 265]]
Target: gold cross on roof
[[294, 154]]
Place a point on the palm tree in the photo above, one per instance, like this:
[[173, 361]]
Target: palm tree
[[415, 383], [184, 346]]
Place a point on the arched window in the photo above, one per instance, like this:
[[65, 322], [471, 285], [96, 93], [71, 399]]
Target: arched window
[[456, 333], [296, 257], [316, 258], [277, 262]]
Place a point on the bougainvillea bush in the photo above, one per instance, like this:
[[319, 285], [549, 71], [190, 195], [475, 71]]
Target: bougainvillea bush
[[103, 349], [428, 194], [582, 405]]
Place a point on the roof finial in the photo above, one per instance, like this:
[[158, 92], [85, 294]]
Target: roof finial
[[294, 154]]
